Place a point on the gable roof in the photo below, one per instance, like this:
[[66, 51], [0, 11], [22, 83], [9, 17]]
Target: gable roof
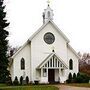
[[20, 48], [49, 57], [30, 39], [75, 53], [55, 26]]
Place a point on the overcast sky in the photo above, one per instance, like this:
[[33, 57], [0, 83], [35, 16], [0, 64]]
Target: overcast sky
[[71, 16]]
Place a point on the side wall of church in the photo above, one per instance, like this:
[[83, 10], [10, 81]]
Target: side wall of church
[[40, 50], [72, 56], [24, 53]]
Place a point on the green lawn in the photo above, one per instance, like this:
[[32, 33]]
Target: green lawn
[[2, 85], [34, 87], [80, 85]]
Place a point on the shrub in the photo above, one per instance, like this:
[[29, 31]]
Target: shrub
[[69, 80], [70, 76], [79, 79], [9, 81], [15, 82], [27, 80], [74, 78], [21, 80], [36, 82], [82, 78], [78, 74]]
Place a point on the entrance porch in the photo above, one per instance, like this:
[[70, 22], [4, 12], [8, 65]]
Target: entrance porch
[[52, 75], [52, 70]]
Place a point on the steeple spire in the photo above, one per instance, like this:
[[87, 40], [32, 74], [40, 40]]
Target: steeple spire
[[48, 13]]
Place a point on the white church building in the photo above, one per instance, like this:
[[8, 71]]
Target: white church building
[[46, 56]]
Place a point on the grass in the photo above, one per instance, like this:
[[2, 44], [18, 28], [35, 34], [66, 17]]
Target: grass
[[80, 84], [2, 85], [34, 87]]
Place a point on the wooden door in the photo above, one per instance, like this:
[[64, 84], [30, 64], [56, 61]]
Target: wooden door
[[51, 75]]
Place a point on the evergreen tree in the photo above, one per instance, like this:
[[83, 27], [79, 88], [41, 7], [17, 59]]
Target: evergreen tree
[[70, 76], [74, 76], [4, 73], [16, 82], [78, 74], [21, 80], [27, 79]]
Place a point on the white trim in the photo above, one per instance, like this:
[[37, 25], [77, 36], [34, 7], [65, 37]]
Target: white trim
[[20, 48], [48, 58], [55, 26], [69, 46], [29, 40], [44, 61]]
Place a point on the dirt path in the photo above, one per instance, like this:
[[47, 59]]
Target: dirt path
[[64, 87]]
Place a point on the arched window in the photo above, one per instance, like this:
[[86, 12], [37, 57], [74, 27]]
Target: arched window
[[70, 64], [49, 14], [22, 64]]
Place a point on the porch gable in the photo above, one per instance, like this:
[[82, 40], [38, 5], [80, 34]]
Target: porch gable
[[53, 61]]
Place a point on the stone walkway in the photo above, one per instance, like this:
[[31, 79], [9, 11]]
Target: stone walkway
[[64, 87]]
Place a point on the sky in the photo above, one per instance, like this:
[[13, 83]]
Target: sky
[[71, 16]]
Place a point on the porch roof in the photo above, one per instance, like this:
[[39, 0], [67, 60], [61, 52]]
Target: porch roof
[[49, 57]]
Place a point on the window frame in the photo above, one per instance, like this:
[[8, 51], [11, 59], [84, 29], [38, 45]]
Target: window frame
[[71, 64], [44, 72], [22, 64]]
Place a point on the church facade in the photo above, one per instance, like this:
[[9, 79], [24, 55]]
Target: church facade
[[46, 56]]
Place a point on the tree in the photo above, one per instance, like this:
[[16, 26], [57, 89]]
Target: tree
[[82, 78], [69, 80], [21, 80], [27, 79], [12, 50], [4, 73], [15, 82], [74, 78], [78, 74], [70, 76]]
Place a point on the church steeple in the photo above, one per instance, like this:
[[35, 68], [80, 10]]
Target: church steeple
[[48, 13]]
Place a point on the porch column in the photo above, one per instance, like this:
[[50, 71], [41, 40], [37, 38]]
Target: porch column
[[47, 73], [59, 74], [41, 72]]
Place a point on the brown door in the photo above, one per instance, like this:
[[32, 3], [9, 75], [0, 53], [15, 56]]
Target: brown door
[[51, 76]]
